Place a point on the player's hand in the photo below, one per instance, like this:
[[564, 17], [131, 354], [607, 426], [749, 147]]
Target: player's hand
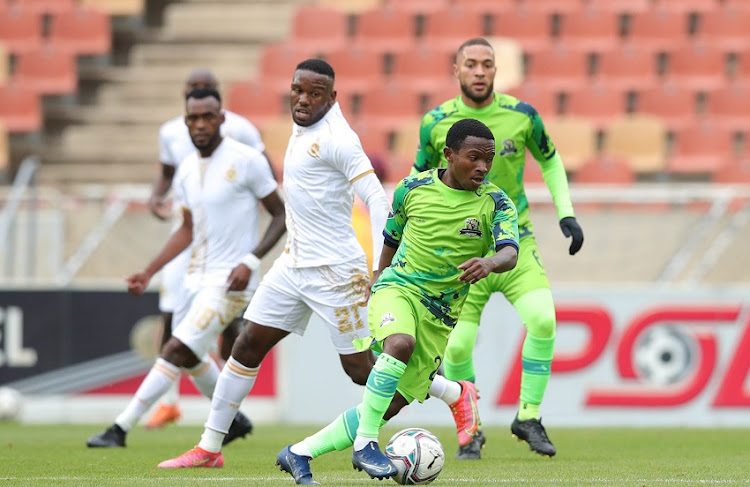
[[238, 278], [159, 208], [474, 269], [138, 282], [571, 228]]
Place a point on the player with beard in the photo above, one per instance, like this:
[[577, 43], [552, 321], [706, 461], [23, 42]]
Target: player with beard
[[517, 127]]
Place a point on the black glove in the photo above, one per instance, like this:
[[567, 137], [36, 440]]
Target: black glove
[[571, 228]]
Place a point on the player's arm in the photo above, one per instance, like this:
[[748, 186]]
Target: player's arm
[[553, 172], [427, 156], [368, 188], [178, 241], [163, 180]]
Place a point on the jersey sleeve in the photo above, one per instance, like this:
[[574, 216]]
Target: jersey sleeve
[[504, 221], [258, 176], [178, 186], [427, 155], [538, 140], [348, 157], [394, 226], [165, 153]]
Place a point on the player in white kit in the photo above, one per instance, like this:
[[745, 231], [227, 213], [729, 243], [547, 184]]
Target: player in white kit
[[174, 146], [219, 187], [323, 268]]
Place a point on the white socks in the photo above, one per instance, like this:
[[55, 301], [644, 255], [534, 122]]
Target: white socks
[[447, 390], [159, 379], [204, 376]]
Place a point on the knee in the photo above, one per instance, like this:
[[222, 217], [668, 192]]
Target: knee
[[400, 346], [541, 323], [177, 353], [358, 367], [246, 350]]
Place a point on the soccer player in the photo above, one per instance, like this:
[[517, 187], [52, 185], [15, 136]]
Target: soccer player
[[444, 222], [219, 187], [174, 146], [323, 268], [517, 126]]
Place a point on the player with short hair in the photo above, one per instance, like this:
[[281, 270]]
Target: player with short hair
[[174, 146], [323, 268], [444, 222], [219, 187], [517, 126]]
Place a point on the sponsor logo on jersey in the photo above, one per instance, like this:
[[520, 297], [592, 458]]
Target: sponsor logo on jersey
[[509, 147], [471, 229], [231, 174], [387, 318], [314, 150]]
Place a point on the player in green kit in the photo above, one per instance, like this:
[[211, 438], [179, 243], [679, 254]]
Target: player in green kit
[[444, 224], [517, 127]]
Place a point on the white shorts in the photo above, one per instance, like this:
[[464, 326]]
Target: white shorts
[[287, 297], [206, 312], [171, 292]]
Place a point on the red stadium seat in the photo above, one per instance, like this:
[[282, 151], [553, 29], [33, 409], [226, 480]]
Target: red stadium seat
[[258, 101], [605, 169], [625, 6], [82, 31], [531, 29], [545, 7], [561, 66], [326, 28], [426, 67], [727, 28], [389, 104], [735, 170], [20, 108], [591, 28], [671, 102], [373, 136], [730, 106], [685, 6], [658, 29], [599, 103], [20, 30], [630, 66], [385, 28], [450, 27], [701, 149], [698, 65], [47, 6], [357, 68], [278, 60], [417, 6], [48, 71], [487, 6], [542, 97]]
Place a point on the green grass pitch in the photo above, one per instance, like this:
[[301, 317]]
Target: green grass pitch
[[57, 455]]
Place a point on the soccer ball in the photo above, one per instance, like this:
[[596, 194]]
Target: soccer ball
[[417, 455], [10, 403], [664, 355]]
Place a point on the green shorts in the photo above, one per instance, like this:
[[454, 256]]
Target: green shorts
[[396, 309], [528, 275]]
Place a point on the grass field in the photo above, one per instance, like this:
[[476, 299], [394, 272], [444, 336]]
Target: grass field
[[56, 455]]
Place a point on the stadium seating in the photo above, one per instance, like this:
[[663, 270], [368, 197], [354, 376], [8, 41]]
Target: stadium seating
[[20, 29], [404, 150], [426, 67], [257, 101], [387, 105], [731, 106], [726, 28], [4, 63], [670, 102], [350, 6], [560, 66], [697, 66], [685, 6], [701, 149], [417, 6], [630, 66], [48, 6], [82, 32], [20, 108], [605, 169], [531, 30], [574, 139], [358, 68], [276, 133], [385, 29], [658, 29], [278, 60], [591, 28], [733, 171], [542, 98], [325, 28], [451, 26], [116, 7], [638, 139], [487, 7], [47, 70], [597, 102], [4, 148]]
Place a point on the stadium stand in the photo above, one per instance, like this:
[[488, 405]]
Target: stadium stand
[[47, 6], [590, 28], [574, 138], [638, 139], [20, 29], [81, 31], [20, 108], [49, 70], [605, 170]]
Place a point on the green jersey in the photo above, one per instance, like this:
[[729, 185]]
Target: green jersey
[[516, 126], [436, 228]]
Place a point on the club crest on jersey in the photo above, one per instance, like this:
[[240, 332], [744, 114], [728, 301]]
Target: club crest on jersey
[[509, 147], [386, 318], [314, 150], [231, 174], [471, 229]]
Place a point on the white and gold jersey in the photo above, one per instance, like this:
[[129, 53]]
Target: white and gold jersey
[[222, 194], [321, 163]]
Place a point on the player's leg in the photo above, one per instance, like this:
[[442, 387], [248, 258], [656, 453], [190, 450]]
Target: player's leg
[[168, 410], [528, 290], [229, 336]]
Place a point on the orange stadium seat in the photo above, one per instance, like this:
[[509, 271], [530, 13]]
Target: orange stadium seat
[[742, 70], [258, 101], [737, 4], [598, 102], [426, 67], [20, 30], [671, 102], [639, 139], [47, 6], [735, 170], [684, 6], [727, 28], [373, 136], [278, 60], [551, 6], [350, 6], [326, 28], [532, 30], [574, 139], [82, 31], [698, 65], [625, 6], [20, 108], [357, 68], [605, 169], [417, 6], [385, 28], [658, 29], [542, 97], [404, 150], [591, 28], [389, 104], [701, 148], [630, 66], [116, 7], [4, 63], [48, 71], [450, 27], [487, 6], [4, 148], [560, 66], [730, 106]]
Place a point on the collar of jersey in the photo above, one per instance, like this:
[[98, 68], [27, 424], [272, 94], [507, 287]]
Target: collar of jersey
[[475, 111]]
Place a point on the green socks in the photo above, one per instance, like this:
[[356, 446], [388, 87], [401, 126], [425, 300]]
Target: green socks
[[379, 392], [536, 358]]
